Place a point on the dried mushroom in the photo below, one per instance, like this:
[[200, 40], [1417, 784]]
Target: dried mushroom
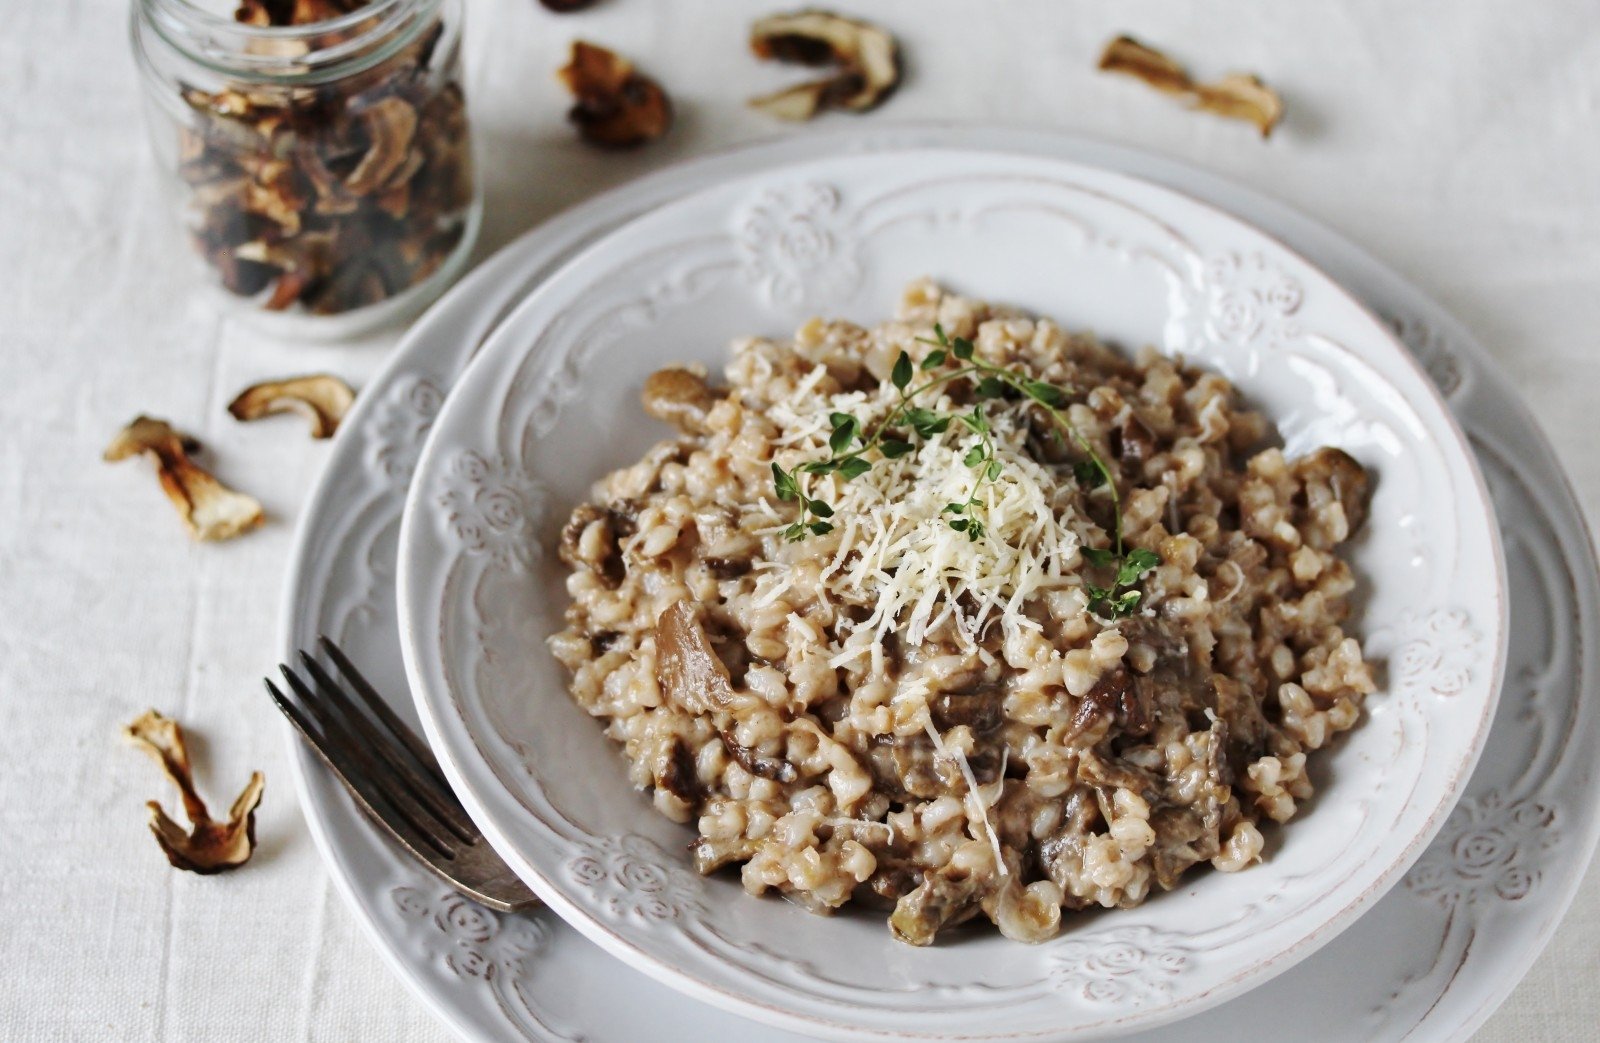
[[867, 60], [615, 105], [207, 846], [566, 6], [210, 509], [1237, 95], [322, 399], [330, 197]]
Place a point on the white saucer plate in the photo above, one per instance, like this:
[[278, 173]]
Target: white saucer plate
[[1453, 940], [551, 405]]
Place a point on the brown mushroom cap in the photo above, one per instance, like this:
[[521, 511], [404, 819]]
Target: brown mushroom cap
[[323, 399], [208, 846], [209, 509], [616, 106], [867, 57]]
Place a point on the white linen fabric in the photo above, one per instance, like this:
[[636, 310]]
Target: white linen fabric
[[1459, 142]]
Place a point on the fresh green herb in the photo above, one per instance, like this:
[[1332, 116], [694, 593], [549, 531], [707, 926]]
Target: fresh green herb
[[1096, 556], [850, 443], [902, 371], [1120, 599], [1135, 564]]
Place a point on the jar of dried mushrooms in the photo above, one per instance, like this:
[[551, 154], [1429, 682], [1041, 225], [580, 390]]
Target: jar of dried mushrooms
[[319, 150]]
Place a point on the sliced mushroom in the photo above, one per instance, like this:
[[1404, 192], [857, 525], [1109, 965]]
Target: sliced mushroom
[[688, 669], [944, 897], [323, 399], [905, 766], [1335, 473], [210, 509], [1127, 55], [1237, 95], [867, 59], [675, 773], [1133, 442], [616, 106], [390, 125], [679, 396], [1240, 713], [755, 762], [1242, 96], [207, 846], [1118, 698], [979, 707]]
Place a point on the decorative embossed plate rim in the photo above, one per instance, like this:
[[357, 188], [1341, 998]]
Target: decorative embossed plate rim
[[504, 460], [1417, 967]]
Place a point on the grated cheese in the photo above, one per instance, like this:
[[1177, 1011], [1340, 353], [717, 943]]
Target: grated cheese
[[896, 550], [977, 808]]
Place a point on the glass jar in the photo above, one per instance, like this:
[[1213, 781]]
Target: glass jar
[[323, 171]]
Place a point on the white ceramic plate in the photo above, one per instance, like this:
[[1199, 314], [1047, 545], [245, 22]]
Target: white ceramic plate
[[1429, 963], [550, 406]]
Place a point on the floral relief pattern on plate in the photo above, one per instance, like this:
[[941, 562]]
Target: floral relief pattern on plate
[[402, 426], [793, 244], [1250, 301], [631, 877], [1438, 652], [1128, 964], [497, 951], [1490, 848], [493, 508]]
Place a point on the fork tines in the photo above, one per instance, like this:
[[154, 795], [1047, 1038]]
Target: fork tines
[[382, 761], [393, 776]]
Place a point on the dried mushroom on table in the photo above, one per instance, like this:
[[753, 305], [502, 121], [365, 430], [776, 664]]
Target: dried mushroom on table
[[865, 60], [209, 509], [1238, 95], [333, 196], [614, 105], [323, 399], [207, 846]]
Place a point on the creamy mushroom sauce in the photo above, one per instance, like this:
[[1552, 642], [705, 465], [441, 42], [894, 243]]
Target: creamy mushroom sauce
[[1006, 753]]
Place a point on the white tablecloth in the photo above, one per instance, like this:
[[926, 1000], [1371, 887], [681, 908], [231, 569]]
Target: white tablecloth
[[1460, 142]]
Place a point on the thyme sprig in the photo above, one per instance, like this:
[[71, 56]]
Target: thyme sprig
[[850, 442]]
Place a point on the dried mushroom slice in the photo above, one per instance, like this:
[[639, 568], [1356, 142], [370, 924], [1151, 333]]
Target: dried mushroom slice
[[1127, 55], [867, 60], [209, 509], [1242, 96], [323, 399], [391, 124], [616, 106], [566, 6], [207, 846], [1237, 95]]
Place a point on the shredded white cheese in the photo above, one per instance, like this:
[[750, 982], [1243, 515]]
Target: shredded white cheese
[[977, 807], [896, 550]]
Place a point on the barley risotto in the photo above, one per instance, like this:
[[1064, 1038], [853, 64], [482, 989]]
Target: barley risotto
[[965, 614]]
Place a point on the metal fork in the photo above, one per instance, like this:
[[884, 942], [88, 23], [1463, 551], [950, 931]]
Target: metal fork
[[393, 776]]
